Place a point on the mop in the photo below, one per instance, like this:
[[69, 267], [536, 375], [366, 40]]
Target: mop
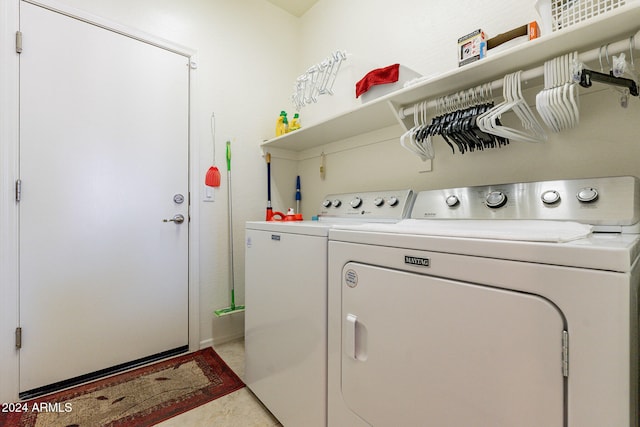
[[233, 308]]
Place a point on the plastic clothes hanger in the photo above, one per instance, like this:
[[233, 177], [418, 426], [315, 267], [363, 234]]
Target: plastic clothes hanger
[[423, 146], [522, 110], [406, 138], [513, 101], [456, 121], [542, 98], [622, 68], [629, 86], [409, 140], [338, 57]]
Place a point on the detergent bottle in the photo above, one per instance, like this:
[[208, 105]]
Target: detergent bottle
[[295, 123], [286, 123], [280, 127]]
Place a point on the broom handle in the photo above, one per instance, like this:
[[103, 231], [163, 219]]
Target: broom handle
[[268, 180], [231, 275]]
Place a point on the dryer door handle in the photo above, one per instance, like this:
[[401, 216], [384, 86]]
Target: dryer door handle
[[354, 342], [349, 330]]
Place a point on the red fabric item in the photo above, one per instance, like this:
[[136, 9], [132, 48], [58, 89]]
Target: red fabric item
[[378, 76]]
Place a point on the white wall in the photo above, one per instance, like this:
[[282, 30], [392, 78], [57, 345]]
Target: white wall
[[423, 36]]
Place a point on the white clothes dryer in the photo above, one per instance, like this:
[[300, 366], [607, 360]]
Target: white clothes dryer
[[286, 302], [497, 306]]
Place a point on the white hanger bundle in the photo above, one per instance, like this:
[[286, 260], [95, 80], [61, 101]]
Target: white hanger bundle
[[513, 101], [318, 80], [558, 103], [422, 148]]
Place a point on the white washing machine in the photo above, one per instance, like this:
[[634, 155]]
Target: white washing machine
[[286, 303], [495, 318]]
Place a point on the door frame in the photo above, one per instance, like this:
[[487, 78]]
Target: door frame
[[9, 173]]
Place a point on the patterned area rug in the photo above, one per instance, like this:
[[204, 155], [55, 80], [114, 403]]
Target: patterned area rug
[[141, 397]]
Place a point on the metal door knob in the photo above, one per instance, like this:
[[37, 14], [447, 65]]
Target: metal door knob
[[178, 219]]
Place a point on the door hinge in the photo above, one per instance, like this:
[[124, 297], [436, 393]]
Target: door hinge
[[565, 353], [18, 190], [18, 41], [18, 337]]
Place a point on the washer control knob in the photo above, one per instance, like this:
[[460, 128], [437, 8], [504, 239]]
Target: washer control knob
[[337, 203], [587, 195], [378, 201], [356, 202], [393, 201], [496, 199], [452, 201], [326, 203], [550, 197]]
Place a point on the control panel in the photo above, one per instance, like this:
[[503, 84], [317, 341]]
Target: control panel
[[375, 205], [606, 201]]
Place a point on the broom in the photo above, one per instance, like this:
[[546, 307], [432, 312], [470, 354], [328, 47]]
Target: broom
[[233, 308]]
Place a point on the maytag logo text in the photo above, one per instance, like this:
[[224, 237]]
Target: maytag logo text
[[423, 262]]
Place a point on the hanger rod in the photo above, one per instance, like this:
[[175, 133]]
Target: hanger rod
[[609, 49]]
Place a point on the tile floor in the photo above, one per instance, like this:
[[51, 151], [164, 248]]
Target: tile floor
[[238, 409]]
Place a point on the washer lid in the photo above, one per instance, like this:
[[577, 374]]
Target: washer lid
[[307, 228]]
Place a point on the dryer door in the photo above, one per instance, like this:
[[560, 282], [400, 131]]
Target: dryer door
[[420, 350]]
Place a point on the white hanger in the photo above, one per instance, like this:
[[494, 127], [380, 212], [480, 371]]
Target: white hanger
[[513, 101], [426, 144], [317, 80], [424, 148], [557, 103]]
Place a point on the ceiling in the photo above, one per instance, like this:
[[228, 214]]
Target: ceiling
[[294, 7]]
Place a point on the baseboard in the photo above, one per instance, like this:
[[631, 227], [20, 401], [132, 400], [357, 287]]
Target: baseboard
[[220, 340]]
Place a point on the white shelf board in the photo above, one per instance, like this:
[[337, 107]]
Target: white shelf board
[[374, 115], [607, 28]]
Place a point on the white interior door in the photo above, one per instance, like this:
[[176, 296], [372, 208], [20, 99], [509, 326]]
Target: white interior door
[[103, 150], [419, 350]]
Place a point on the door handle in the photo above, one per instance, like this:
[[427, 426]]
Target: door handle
[[178, 219]]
